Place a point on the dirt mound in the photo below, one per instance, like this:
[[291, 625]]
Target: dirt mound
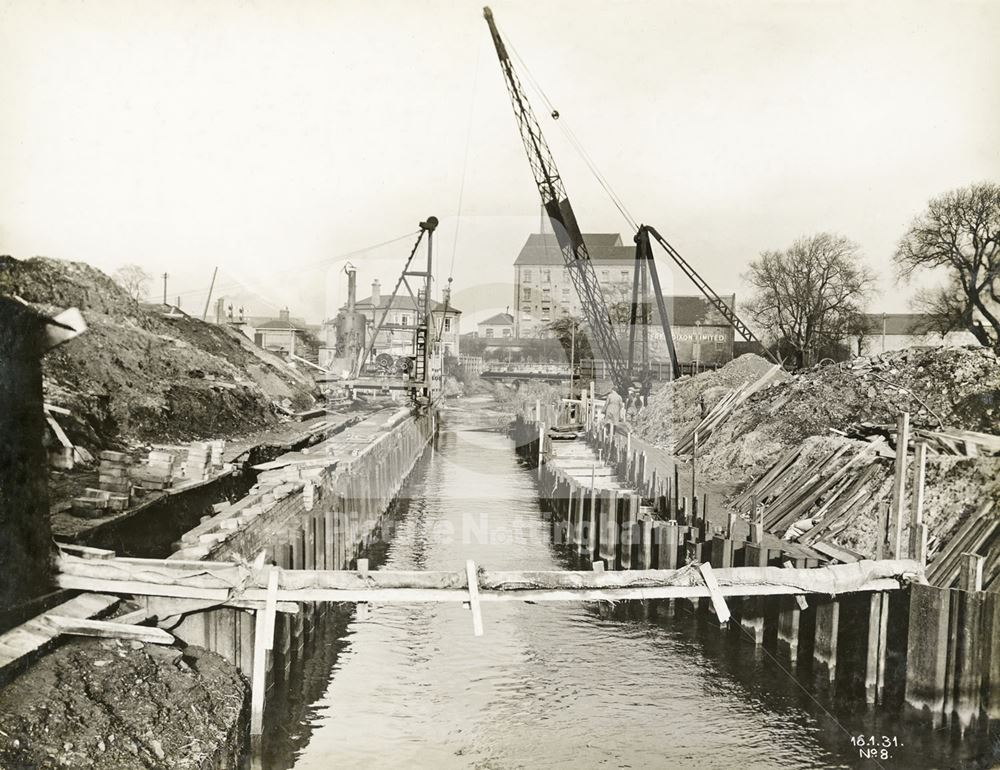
[[678, 405], [953, 387], [106, 705], [137, 374]]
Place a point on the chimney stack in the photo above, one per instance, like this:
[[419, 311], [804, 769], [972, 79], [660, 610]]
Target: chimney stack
[[283, 314], [376, 294], [352, 289]]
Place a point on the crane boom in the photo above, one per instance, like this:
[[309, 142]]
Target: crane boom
[[727, 312], [557, 206]]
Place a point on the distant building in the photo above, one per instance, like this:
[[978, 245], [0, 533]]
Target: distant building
[[499, 326], [895, 331], [282, 334], [701, 333], [396, 336], [545, 292]]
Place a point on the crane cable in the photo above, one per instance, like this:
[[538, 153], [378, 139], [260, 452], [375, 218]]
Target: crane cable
[[573, 140], [315, 264]]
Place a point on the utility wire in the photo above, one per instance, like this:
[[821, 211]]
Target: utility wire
[[236, 283], [461, 189], [573, 140]]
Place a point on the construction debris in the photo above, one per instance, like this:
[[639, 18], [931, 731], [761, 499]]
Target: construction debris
[[677, 407]]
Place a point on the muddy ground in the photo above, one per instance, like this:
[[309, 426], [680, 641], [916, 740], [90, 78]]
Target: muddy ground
[[111, 705]]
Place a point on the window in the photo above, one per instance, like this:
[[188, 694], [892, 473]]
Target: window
[[526, 294], [546, 276], [526, 315], [404, 320], [604, 275], [526, 275], [565, 293], [506, 332], [447, 348], [625, 275], [447, 324], [546, 295], [489, 331]]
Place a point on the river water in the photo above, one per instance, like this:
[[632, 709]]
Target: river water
[[555, 685]]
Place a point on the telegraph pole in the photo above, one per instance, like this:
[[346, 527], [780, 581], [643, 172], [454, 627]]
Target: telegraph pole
[[164, 288]]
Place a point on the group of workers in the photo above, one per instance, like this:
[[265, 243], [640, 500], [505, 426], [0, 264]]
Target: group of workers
[[618, 409]]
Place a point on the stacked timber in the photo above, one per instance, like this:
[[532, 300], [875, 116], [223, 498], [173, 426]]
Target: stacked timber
[[92, 504], [946, 441], [808, 500], [199, 457], [218, 447], [976, 535], [722, 409], [156, 473], [113, 472]]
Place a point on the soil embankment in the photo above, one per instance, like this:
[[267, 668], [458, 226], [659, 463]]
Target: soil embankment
[[109, 705], [812, 411], [138, 374]]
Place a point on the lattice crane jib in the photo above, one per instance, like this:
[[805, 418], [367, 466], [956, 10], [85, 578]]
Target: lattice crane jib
[[560, 212]]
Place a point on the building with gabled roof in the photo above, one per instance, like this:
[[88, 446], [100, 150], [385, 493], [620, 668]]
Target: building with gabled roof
[[545, 292], [499, 326], [396, 336]]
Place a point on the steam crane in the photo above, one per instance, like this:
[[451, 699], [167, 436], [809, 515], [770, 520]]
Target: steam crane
[[559, 210], [577, 258]]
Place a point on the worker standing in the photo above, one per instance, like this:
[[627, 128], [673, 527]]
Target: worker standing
[[613, 407]]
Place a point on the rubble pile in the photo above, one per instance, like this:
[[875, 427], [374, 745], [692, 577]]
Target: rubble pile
[[137, 374], [952, 387], [677, 406]]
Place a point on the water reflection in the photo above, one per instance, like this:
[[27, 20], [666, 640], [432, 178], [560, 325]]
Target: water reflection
[[548, 686]]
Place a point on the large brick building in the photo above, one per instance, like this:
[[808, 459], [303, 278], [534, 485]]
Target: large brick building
[[545, 292]]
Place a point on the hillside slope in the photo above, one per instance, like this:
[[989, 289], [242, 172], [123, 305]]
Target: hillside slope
[[137, 374]]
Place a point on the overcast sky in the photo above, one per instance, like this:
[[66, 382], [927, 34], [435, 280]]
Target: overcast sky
[[271, 138]]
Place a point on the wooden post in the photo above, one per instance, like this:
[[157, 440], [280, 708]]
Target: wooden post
[[541, 446], [752, 607], [825, 645], [878, 618], [594, 523], [646, 556], [262, 645], [694, 460], [917, 503], [971, 575], [927, 651], [677, 493], [667, 545], [885, 516], [971, 646], [477, 616], [899, 485]]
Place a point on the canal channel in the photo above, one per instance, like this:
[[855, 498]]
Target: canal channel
[[548, 686]]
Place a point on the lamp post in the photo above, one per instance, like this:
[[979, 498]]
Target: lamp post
[[572, 355]]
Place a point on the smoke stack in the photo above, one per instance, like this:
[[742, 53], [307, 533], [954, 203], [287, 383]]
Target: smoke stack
[[376, 294], [352, 289]]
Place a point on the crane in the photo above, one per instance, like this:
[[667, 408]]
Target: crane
[[560, 212], [575, 254]]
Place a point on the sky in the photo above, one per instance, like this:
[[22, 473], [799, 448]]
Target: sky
[[278, 139]]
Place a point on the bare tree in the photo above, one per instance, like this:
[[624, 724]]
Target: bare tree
[[959, 233], [133, 279], [810, 296]]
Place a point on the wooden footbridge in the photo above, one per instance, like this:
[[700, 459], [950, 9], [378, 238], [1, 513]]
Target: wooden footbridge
[[167, 589]]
